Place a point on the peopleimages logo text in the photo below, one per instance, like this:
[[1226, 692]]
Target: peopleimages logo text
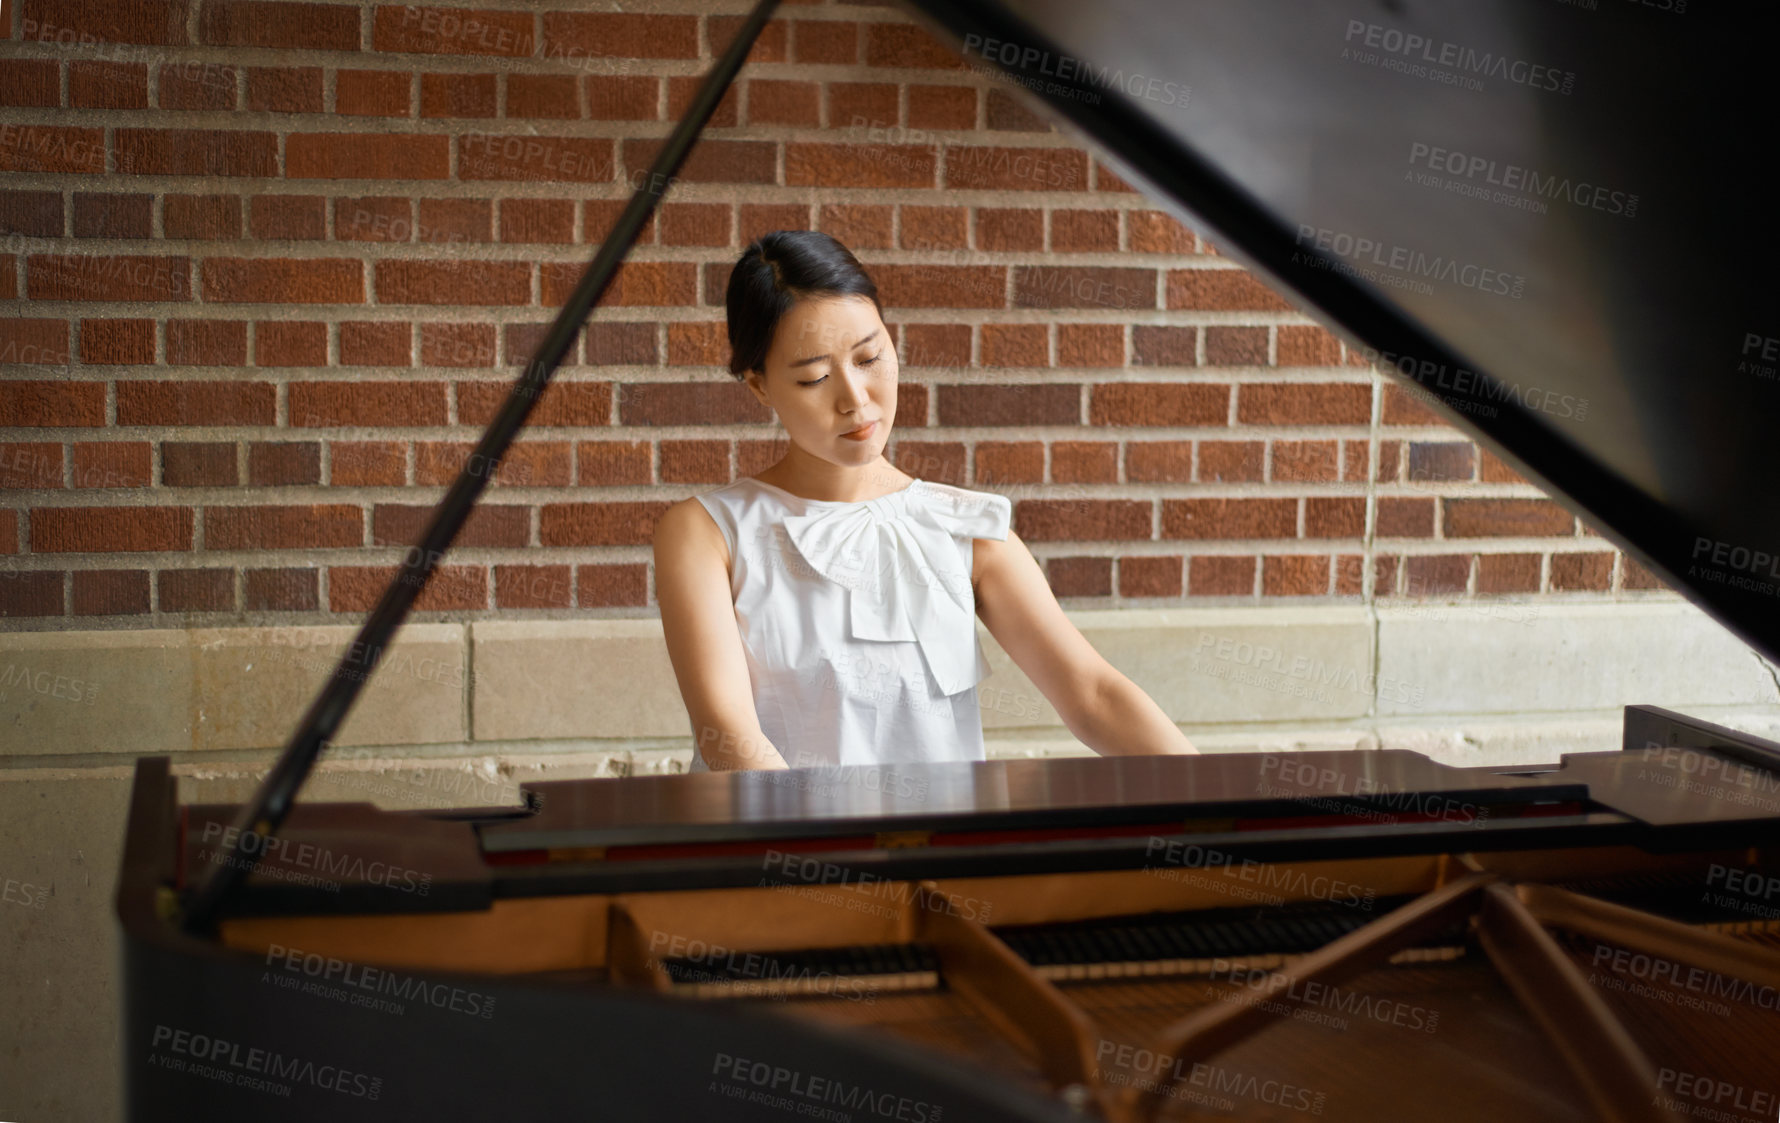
[[1065, 68], [1489, 64]]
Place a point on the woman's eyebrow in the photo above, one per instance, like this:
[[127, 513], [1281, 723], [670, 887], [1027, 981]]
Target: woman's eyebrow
[[819, 358]]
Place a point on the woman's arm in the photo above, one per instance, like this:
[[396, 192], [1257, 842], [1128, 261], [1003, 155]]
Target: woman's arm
[[1103, 709], [698, 618]]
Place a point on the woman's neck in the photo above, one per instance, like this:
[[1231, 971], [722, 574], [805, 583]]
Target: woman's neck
[[813, 478]]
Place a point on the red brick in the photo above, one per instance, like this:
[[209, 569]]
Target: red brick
[[598, 524], [1295, 575], [260, 280], [367, 156], [1094, 462], [373, 93], [453, 282], [366, 464], [1307, 347], [859, 165], [198, 464], [39, 342], [1221, 290], [114, 342], [1038, 404], [1010, 462], [1151, 577], [696, 224], [1010, 229], [771, 45], [152, 22], [942, 107], [862, 105], [1405, 518], [1492, 470], [1508, 573], [564, 404], [614, 463], [936, 345], [695, 461], [110, 592], [449, 588], [283, 463], [763, 218], [532, 586], [858, 226], [110, 530], [615, 344], [574, 35], [1229, 518], [31, 593], [457, 95], [537, 221], [935, 228], [1140, 404], [977, 167], [288, 217], [1505, 518], [1084, 286], [783, 103], [366, 404], [1231, 461], [108, 277], [259, 23], [1441, 461], [36, 214], [623, 98], [1105, 180], [195, 590], [1015, 345], [1090, 345], [195, 403], [1081, 231], [37, 464], [1304, 403], [906, 45], [199, 152], [1384, 575], [1156, 232], [281, 590], [608, 586], [113, 216], [373, 218], [198, 85], [1217, 576], [637, 283], [1350, 575], [1233, 346], [600, 217], [290, 527], [536, 158], [1160, 345], [414, 29], [690, 403], [1433, 576], [942, 286], [1402, 409], [453, 221], [375, 345], [698, 343], [1304, 461], [43, 148], [1004, 114], [1159, 461], [825, 41], [107, 85], [283, 343], [543, 96], [9, 274], [457, 345], [1079, 577], [1574, 572], [1637, 576], [939, 461], [99, 464], [30, 82], [489, 524], [1082, 520], [535, 463], [214, 218], [1334, 518], [284, 89]]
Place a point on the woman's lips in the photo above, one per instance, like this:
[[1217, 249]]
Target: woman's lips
[[861, 434]]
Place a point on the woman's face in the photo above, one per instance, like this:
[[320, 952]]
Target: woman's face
[[831, 369]]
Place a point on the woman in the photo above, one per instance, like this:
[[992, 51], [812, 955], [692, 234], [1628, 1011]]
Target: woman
[[820, 613]]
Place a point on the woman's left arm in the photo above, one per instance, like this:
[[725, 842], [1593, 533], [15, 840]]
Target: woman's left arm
[[1103, 709]]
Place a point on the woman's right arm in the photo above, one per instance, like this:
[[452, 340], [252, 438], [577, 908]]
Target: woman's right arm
[[698, 618]]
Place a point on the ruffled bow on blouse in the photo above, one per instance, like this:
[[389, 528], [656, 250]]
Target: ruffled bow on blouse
[[906, 578]]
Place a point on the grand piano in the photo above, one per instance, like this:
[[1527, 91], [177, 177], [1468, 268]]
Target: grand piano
[[1544, 219]]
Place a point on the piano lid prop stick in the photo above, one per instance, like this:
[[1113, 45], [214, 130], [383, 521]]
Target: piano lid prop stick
[[262, 816]]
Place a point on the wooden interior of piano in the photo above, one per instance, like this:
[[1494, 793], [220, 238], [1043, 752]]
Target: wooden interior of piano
[[1497, 985]]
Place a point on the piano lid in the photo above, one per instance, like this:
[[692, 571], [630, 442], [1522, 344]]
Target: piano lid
[[1547, 213]]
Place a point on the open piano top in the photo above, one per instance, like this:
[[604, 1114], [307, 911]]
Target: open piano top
[[1268, 936]]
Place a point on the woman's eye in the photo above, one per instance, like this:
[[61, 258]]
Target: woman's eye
[[870, 361], [817, 382]]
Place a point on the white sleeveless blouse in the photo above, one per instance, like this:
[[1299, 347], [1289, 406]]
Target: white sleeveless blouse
[[858, 619]]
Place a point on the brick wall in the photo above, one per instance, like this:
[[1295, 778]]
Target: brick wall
[[268, 269]]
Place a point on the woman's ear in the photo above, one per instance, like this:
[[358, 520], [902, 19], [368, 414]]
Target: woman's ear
[[756, 382]]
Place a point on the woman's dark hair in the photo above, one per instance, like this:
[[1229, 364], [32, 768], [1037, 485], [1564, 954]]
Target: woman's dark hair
[[774, 273]]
